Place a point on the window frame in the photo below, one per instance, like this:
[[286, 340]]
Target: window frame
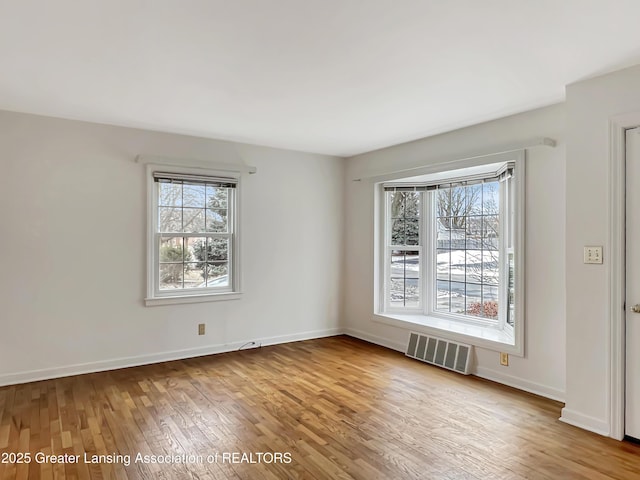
[[389, 248], [431, 268], [156, 296], [474, 330]]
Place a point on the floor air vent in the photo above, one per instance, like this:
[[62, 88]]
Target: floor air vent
[[437, 351]]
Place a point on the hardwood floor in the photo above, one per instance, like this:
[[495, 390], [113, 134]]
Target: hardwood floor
[[328, 408]]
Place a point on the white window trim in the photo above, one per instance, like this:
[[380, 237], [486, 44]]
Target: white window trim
[[157, 298], [387, 261], [504, 338]]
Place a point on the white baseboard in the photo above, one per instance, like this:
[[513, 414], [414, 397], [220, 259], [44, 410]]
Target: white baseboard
[[367, 337], [101, 366], [482, 372], [586, 422], [568, 416], [520, 384]]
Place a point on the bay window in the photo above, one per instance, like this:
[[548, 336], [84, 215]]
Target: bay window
[[452, 251]]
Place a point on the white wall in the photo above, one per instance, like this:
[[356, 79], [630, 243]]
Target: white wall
[[542, 370], [72, 249], [590, 106], [72, 204]]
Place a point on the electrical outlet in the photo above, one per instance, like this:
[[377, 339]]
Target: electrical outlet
[[504, 359], [201, 329]]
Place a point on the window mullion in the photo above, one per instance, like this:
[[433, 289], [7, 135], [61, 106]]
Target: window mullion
[[427, 252], [502, 250]]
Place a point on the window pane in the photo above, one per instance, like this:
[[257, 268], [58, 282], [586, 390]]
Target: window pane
[[490, 301], [405, 278], [218, 274], [217, 249], [398, 236], [405, 264], [412, 231], [474, 199], [443, 233], [216, 220], [491, 232], [411, 204], [458, 297], [443, 296], [412, 264], [458, 264], [171, 249], [193, 196], [403, 204], [487, 307], [451, 208], [194, 249], [193, 275], [404, 223], [197, 249], [489, 293], [443, 264], [473, 266], [217, 197], [474, 299], [171, 275], [468, 219], [396, 292], [412, 295], [169, 194], [193, 219], [491, 267], [397, 264], [443, 202], [169, 219], [193, 262], [450, 296], [490, 198], [458, 229]]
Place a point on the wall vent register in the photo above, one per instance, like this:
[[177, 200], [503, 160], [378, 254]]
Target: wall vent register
[[440, 352]]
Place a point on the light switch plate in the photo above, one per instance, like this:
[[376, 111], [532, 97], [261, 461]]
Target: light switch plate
[[592, 254]]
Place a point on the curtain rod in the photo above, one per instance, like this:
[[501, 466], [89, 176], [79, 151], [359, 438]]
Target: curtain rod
[[195, 163], [534, 142]]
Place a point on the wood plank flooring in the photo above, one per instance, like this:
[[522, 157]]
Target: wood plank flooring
[[320, 409]]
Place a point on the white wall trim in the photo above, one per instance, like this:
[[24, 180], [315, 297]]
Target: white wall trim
[[195, 163], [505, 151], [479, 336], [616, 278], [156, 297], [383, 342], [520, 384], [616, 270], [586, 422], [126, 362], [488, 374]]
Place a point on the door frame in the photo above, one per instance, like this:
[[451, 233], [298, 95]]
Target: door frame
[[618, 125]]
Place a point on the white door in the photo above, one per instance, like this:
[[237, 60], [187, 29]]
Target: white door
[[632, 394]]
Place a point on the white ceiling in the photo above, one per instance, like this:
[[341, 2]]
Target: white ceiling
[[329, 76]]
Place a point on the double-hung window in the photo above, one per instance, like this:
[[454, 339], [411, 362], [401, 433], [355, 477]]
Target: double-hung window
[[193, 237], [452, 252]]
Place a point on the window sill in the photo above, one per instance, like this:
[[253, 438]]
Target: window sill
[[210, 297], [476, 335]]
